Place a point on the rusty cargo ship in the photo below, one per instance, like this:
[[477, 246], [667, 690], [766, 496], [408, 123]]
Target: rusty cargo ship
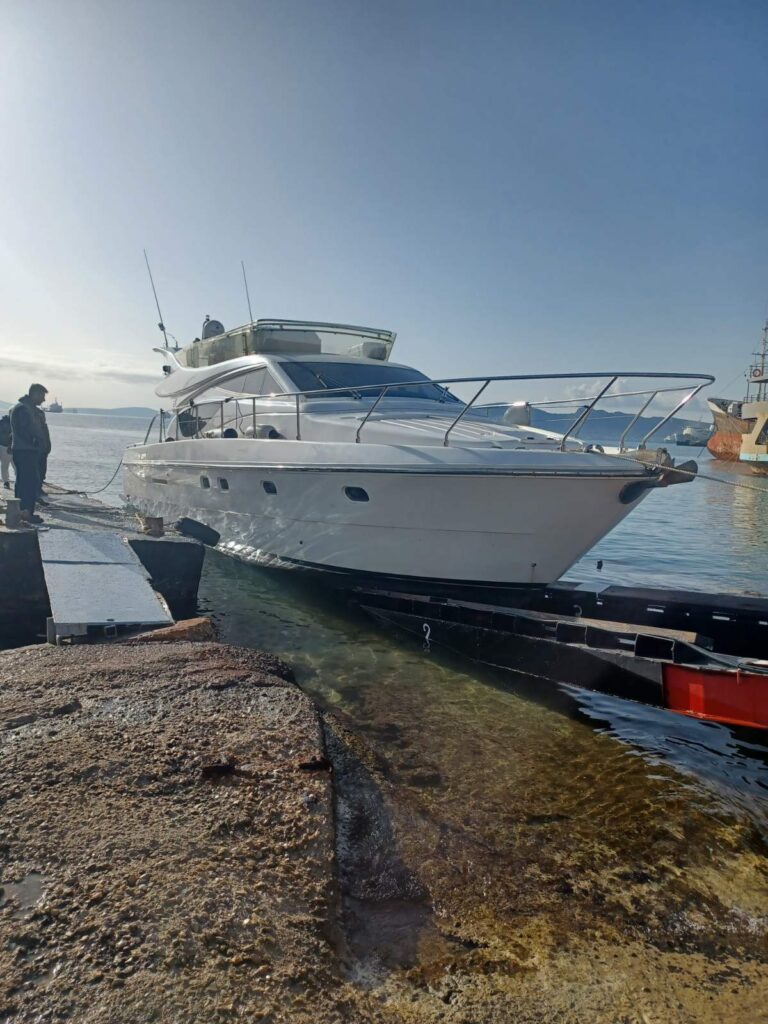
[[732, 419]]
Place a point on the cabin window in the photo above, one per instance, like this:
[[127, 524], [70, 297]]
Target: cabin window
[[248, 384], [223, 483], [270, 386], [269, 487], [329, 376], [205, 483], [356, 494], [256, 382]]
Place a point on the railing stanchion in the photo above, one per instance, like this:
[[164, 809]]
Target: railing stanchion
[[684, 401], [465, 410], [253, 405], [298, 419], [382, 393], [149, 428], [634, 421], [583, 415]]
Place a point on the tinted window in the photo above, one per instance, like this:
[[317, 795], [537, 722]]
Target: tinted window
[[318, 376], [249, 384], [256, 382]]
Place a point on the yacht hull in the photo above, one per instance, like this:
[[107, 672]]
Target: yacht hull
[[440, 514]]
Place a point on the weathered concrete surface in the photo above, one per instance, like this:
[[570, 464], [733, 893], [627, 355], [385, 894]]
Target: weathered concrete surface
[[167, 846], [167, 854]]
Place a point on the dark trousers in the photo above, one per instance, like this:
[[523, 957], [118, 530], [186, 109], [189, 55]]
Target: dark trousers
[[43, 469], [27, 479]]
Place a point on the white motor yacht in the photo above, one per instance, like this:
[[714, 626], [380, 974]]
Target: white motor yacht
[[300, 445]]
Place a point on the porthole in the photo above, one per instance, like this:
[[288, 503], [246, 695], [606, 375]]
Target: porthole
[[269, 487], [223, 483], [356, 494], [205, 483]]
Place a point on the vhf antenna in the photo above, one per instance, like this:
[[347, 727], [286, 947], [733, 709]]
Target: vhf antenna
[[161, 325], [248, 297]]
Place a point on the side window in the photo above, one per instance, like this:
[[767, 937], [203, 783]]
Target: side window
[[251, 383], [270, 385], [257, 382]]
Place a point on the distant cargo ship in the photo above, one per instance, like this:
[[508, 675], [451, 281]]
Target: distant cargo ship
[[735, 419], [55, 406], [694, 436]]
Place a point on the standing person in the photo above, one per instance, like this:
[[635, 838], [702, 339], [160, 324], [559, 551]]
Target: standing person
[[5, 450], [46, 451], [28, 442]]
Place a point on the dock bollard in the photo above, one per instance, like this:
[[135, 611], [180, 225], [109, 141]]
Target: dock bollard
[[12, 513]]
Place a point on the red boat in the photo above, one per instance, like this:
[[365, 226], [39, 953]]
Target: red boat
[[733, 695]]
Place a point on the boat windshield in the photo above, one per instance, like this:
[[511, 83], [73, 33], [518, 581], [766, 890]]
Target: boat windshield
[[315, 376]]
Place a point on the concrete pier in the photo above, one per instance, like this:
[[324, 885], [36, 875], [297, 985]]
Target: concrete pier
[[172, 562]]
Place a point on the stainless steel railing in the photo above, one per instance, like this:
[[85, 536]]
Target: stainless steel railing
[[359, 393], [161, 414]]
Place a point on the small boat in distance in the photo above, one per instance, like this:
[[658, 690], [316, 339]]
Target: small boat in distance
[[733, 419], [55, 406], [694, 436]]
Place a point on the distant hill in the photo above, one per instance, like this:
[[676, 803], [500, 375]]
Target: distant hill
[[607, 427], [128, 410]]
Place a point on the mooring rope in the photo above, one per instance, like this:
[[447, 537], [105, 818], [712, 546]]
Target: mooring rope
[[100, 490], [694, 474]]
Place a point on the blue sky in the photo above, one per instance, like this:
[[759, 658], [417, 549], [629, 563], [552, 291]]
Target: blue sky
[[513, 187]]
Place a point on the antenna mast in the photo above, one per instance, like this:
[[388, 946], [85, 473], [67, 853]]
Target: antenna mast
[[248, 297], [161, 325], [756, 375]]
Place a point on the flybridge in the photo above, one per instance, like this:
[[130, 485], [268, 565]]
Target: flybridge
[[297, 337]]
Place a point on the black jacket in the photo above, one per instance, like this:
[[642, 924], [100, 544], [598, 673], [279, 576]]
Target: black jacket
[[5, 431], [29, 431]]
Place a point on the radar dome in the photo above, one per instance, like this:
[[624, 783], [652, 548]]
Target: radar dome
[[211, 328]]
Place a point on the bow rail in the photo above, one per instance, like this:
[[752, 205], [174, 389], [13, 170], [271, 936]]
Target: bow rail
[[694, 384]]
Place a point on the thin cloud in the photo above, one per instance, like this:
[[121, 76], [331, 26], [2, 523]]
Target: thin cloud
[[70, 371]]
